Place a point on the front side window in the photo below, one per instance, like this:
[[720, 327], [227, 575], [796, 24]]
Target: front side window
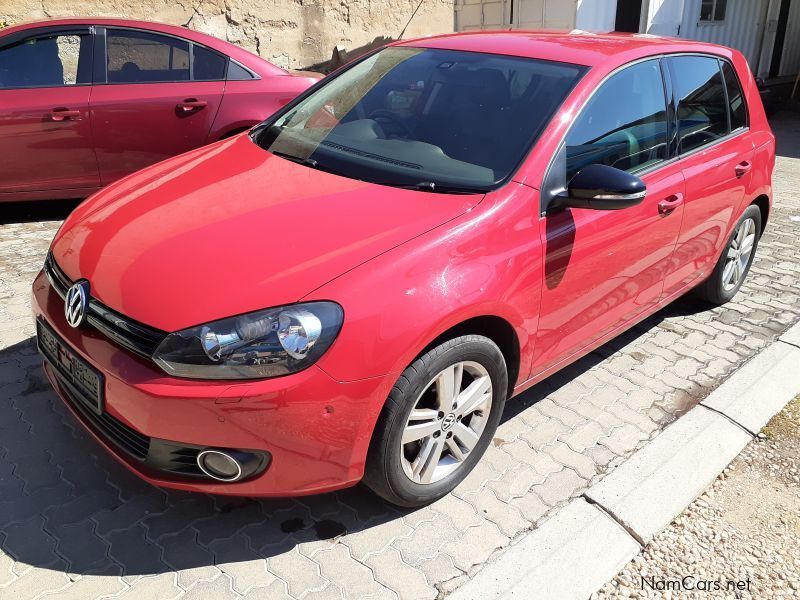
[[428, 118], [141, 57], [50, 61], [623, 125], [700, 94]]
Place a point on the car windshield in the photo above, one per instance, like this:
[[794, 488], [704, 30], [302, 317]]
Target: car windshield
[[437, 120]]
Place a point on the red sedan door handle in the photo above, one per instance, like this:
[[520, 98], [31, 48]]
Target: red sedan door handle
[[65, 114], [670, 203], [191, 105], [743, 168]]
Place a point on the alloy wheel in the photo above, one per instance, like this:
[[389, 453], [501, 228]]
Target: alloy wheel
[[738, 254], [446, 422]]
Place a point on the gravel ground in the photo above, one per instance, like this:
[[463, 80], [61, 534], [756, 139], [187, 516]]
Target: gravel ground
[[744, 528]]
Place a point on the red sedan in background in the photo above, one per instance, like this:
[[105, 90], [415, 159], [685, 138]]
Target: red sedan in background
[[84, 102], [355, 288]]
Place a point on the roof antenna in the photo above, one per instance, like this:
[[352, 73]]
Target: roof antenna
[[400, 37]]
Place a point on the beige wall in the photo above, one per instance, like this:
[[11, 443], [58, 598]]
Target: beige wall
[[293, 34]]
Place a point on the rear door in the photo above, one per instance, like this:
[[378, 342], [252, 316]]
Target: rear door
[[157, 96], [45, 124], [603, 268], [715, 153]]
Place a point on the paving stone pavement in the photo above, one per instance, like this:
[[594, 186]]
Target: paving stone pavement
[[74, 523]]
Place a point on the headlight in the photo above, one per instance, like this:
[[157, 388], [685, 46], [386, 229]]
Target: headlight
[[266, 343]]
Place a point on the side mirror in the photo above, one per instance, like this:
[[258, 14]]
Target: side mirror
[[602, 188]]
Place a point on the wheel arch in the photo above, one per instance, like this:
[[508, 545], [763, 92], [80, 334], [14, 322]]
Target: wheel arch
[[497, 329], [762, 202]]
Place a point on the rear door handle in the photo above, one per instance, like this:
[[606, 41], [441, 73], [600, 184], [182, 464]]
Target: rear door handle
[[65, 114], [191, 105], [743, 168], [670, 203]]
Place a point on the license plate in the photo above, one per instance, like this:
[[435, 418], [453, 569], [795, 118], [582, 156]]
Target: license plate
[[87, 381]]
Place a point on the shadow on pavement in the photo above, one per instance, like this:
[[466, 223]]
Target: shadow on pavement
[[40, 210], [787, 124], [65, 504]]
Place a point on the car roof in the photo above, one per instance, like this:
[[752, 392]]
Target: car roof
[[250, 60], [570, 46]]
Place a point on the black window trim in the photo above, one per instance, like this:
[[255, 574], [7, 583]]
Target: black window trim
[[545, 196], [85, 53], [101, 49]]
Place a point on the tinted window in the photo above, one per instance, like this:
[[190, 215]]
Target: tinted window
[[41, 62], [735, 98], [207, 65], [624, 124], [702, 114], [410, 116], [140, 57], [237, 72]]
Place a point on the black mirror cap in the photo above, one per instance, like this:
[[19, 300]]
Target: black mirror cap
[[603, 188]]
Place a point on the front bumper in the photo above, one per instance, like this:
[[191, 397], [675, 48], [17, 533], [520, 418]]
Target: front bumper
[[315, 429]]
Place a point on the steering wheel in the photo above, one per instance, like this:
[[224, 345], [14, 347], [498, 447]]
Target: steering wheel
[[394, 118]]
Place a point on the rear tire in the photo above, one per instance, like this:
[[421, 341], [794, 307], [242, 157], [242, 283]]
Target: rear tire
[[456, 392], [734, 263]]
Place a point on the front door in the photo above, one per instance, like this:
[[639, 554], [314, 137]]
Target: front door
[[159, 99], [45, 125], [603, 268]]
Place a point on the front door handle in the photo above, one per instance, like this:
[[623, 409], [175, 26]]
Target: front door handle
[[670, 203], [743, 168], [191, 105], [65, 114]]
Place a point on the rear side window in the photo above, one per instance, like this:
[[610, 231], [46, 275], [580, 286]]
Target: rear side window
[[207, 65], [142, 57], [735, 98], [237, 72], [624, 125], [52, 61], [700, 94]]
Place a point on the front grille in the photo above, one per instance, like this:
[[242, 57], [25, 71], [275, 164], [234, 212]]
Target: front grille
[[157, 455], [130, 441], [130, 334]]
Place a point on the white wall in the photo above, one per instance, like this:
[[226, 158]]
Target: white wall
[[596, 15]]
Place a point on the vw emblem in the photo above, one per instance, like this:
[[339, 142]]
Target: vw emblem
[[76, 303], [448, 422]]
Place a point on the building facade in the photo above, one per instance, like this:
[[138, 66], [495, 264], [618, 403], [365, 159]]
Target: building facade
[[767, 32]]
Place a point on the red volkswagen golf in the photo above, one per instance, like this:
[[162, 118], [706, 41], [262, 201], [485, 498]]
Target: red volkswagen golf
[[85, 101], [354, 289]]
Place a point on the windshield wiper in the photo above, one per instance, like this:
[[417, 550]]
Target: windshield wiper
[[308, 162], [437, 188]]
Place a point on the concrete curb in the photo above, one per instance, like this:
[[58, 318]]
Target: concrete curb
[[589, 540]]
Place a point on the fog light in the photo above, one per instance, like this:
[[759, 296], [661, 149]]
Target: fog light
[[219, 465]]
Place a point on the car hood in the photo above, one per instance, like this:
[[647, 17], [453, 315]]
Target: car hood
[[231, 228]]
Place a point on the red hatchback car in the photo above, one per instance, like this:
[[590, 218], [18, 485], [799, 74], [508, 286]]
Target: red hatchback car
[[85, 101], [354, 289]]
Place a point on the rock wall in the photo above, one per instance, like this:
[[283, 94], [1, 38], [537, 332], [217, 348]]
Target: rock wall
[[295, 34]]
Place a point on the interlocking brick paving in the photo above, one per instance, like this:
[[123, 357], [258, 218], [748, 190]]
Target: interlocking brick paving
[[74, 523]]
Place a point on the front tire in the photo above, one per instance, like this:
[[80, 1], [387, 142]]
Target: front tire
[[734, 263], [438, 421]]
